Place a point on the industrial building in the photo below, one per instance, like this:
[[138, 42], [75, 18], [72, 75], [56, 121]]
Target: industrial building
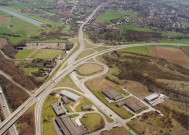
[[57, 109], [67, 126], [132, 103], [151, 97], [155, 99], [72, 96], [112, 94]]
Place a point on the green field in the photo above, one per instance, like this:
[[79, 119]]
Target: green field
[[89, 69], [47, 127], [186, 24], [84, 101], [73, 116], [21, 27], [85, 53], [67, 82], [48, 54], [23, 54], [29, 70], [93, 122], [187, 55], [184, 41], [139, 49]]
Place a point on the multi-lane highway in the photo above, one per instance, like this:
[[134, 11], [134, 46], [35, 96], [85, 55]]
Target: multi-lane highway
[[6, 111], [60, 75]]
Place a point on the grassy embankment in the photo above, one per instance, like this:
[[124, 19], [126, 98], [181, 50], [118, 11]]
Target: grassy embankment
[[23, 54], [89, 69], [114, 131], [93, 122], [85, 53]]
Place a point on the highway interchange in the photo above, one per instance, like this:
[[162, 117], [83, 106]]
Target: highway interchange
[[40, 95]]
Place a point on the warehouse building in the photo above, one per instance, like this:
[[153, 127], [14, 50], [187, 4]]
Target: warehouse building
[[72, 96], [57, 109], [67, 126], [112, 94], [132, 103]]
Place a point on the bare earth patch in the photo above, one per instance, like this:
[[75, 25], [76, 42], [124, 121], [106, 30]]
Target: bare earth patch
[[3, 20], [170, 53], [137, 88]]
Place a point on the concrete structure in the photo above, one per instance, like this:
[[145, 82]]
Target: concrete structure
[[112, 94], [70, 95], [155, 99], [132, 103], [86, 107], [57, 109], [67, 126]]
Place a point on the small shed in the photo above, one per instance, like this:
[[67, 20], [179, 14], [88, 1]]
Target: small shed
[[86, 107]]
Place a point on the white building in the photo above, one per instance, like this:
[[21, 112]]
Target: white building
[[72, 96]]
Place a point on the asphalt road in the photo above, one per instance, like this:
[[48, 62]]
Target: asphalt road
[[10, 120], [6, 112]]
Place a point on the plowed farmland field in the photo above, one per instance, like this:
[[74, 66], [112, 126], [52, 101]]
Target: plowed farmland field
[[175, 55]]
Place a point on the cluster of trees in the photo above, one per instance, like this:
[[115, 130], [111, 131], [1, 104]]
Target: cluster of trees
[[122, 35], [9, 49], [8, 66], [147, 69], [181, 117], [15, 95], [1, 114], [27, 123]]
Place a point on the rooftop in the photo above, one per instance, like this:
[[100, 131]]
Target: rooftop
[[68, 127], [132, 103], [70, 95], [152, 97], [57, 108], [112, 94]]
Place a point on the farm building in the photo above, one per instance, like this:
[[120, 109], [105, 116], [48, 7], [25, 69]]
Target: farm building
[[70, 95], [112, 94], [57, 109], [67, 127], [132, 103]]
